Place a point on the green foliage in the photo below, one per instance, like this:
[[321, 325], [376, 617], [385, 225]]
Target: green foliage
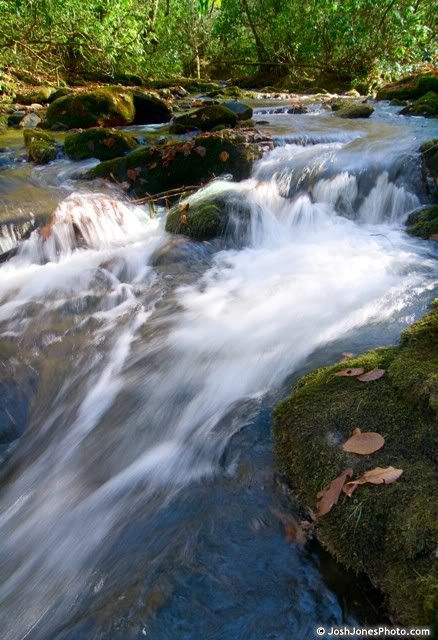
[[130, 40]]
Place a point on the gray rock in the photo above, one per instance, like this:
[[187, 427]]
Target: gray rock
[[30, 121]]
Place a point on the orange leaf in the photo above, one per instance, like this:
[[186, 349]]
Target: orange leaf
[[372, 375], [379, 475], [109, 142], [363, 443], [223, 156], [329, 496], [349, 373]]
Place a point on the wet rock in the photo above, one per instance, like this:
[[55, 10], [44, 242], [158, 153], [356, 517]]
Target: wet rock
[[30, 121], [204, 119], [107, 106], [242, 111], [101, 143], [15, 118], [424, 223], [297, 107], [355, 111], [396, 102], [398, 523], [14, 411], [158, 168], [426, 106], [41, 146]]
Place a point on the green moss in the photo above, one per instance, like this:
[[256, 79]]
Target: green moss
[[390, 532], [100, 143], [40, 95], [242, 111], [429, 152], [155, 169], [423, 223], [200, 222], [206, 118], [41, 146], [426, 106], [355, 111], [109, 106], [409, 88]]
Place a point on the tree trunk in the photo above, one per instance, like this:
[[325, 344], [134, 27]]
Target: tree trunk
[[262, 54]]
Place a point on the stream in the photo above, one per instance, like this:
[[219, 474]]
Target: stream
[[141, 499]]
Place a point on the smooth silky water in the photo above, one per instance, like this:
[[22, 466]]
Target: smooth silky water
[[142, 499]]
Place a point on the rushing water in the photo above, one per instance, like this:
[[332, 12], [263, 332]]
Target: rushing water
[[141, 499]]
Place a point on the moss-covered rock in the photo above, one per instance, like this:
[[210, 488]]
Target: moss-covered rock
[[59, 93], [424, 223], [106, 106], [426, 106], [409, 88], [205, 119], [357, 110], [98, 142], [41, 146], [242, 111], [389, 532], [155, 169], [396, 102], [40, 95], [200, 222]]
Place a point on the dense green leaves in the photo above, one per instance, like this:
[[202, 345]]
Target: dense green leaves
[[159, 37]]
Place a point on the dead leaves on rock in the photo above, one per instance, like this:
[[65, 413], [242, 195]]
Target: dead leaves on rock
[[379, 475], [350, 373], [329, 496], [363, 443]]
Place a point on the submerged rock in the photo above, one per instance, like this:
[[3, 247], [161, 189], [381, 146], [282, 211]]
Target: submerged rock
[[424, 223], [152, 170], [389, 532], [99, 142], [426, 106], [41, 146], [204, 119], [356, 110], [107, 106]]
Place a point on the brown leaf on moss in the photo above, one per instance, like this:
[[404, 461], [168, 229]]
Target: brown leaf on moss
[[350, 373], [223, 156], [370, 376], [298, 531], [363, 443], [109, 142], [379, 475], [329, 496]]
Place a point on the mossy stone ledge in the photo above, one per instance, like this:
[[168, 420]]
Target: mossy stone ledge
[[357, 110], [41, 146], [426, 106], [204, 119], [409, 88], [389, 532], [98, 142]]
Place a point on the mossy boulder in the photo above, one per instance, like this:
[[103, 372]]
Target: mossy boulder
[[201, 222], [40, 95], [106, 106], [357, 110], [41, 146], [98, 142], [389, 532], [424, 223], [59, 93], [426, 106], [242, 111], [175, 164], [205, 119], [429, 154], [409, 88]]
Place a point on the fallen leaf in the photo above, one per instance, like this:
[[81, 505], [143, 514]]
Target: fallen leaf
[[295, 530], [109, 142], [350, 373], [183, 219], [379, 475], [372, 375], [363, 443], [223, 156], [329, 496], [201, 151]]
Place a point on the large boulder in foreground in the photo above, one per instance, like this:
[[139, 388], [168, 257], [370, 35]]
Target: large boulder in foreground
[[409, 88], [424, 223], [98, 142], [151, 170], [204, 119], [426, 106], [106, 106], [357, 110], [389, 531], [41, 146]]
